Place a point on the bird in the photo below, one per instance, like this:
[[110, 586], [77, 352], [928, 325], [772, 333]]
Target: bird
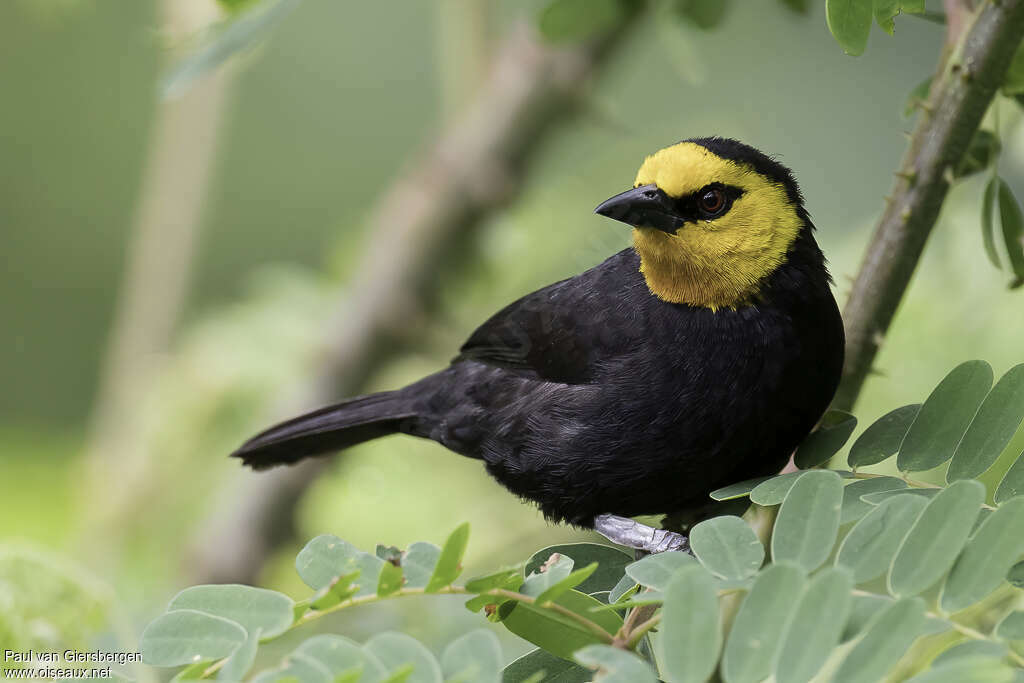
[[700, 356]]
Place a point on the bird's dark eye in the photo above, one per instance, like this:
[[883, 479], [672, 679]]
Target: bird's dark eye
[[711, 201]]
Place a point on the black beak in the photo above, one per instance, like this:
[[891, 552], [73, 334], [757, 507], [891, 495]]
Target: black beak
[[643, 207]]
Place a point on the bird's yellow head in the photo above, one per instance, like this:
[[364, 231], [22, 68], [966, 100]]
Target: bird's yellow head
[[712, 218]]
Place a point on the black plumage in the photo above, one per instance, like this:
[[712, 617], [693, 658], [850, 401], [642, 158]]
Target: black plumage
[[594, 396]]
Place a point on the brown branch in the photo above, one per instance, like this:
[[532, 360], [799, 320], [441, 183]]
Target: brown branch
[[959, 97], [474, 168]]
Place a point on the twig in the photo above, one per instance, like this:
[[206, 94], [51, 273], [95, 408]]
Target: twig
[[972, 69]]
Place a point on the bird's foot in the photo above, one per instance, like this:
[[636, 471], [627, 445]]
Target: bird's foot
[[633, 534]]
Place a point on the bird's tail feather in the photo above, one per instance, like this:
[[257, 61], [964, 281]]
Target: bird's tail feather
[[326, 430]]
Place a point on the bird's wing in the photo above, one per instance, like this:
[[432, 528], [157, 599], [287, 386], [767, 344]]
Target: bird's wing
[[562, 332]]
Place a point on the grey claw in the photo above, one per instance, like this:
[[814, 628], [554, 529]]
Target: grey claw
[[632, 534]]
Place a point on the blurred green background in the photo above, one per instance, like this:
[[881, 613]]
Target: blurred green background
[[316, 122]]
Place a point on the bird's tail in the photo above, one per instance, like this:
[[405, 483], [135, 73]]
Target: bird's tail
[[326, 430]]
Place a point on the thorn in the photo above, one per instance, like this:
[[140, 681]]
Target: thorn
[[947, 175]]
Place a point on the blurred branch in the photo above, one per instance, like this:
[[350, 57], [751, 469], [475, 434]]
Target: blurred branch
[[475, 167], [161, 246], [962, 90]]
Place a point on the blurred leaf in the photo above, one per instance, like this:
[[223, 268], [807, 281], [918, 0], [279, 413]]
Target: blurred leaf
[[944, 417], [390, 579], [975, 669], [389, 553], [738, 490], [987, 557], [799, 6], [571, 581], [623, 587], [473, 658], [886, 11], [816, 626], [992, 427], [1013, 481], [296, 669], [981, 153], [773, 491], [704, 14], [691, 635], [883, 438], [241, 660], [647, 597], [186, 636], [853, 507], [556, 669], [656, 571], [449, 564], [931, 546], [850, 23], [1016, 575], [1013, 83], [340, 655], [727, 546], [1013, 231], [881, 496], [578, 20], [504, 578], [831, 435], [556, 632], [1012, 626], [886, 639], [863, 608], [808, 520], [916, 96], [556, 568], [971, 648], [340, 588], [397, 650], [327, 557], [419, 562], [611, 563], [239, 33], [868, 549], [988, 233], [763, 617], [615, 665], [255, 609]]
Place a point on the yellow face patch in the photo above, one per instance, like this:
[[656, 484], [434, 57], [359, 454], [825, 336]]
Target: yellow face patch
[[717, 263]]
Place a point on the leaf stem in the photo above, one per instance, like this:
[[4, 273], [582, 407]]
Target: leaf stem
[[637, 634]]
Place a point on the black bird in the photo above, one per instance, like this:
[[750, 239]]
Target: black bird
[[698, 357]]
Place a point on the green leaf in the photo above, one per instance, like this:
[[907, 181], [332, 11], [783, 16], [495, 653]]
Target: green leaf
[[704, 14], [988, 233], [255, 609], [944, 417], [419, 562], [868, 549], [296, 669], [886, 639], [737, 490], [931, 546], [553, 669], [763, 617], [1012, 626], [647, 597], [510, 578], [240, 33], [691, 634], [186, 636], [773, 491], [727, 546], [853, 507], [340, 655], [975, 669], [863, 609], [474, 658], [882, 496], [831, 435], [986, 558], [1016, 575], [615, 665], [625, 586], [548, 574], [992, 428], [1013, 230], [340, 589], [397, 650], [390, 579], [971, 648], [850, 23], [655, 571], [241, 660], [327, 557], [449, 564], [1013, 481], [808, 520], [886, 10], [611, 563], [883, 438], [578, 20], [555, 632], [1013, 83], [816, 626], [917, 96], [981, 153]]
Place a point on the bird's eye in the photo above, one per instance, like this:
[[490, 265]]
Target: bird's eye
[[711, 201]]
